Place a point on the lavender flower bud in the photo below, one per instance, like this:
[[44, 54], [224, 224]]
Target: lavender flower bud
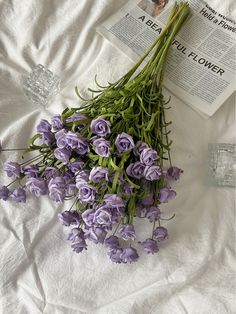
[[98, 173], [57, 123], [160, 234], [148, 156], [124, 142], [31, 171], [102, 147], [153, 214], [100, 127], [166, 194], [4, 193], [19, 195], [61, 138], [68, 218], [152, 173], [150, 246], [37, 186], [127, 232], [139, 147], [136, 170], [86, 193], [43, 126], [129, 255], [12, 169], [62, 154], [174, 173]]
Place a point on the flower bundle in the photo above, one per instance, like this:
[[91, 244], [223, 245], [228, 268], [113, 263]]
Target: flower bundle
[[107, 157]]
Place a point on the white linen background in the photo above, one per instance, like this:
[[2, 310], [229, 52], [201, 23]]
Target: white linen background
[[194, 272]]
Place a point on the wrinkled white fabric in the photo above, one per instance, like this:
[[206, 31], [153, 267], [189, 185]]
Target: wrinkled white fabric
[[194, 272]]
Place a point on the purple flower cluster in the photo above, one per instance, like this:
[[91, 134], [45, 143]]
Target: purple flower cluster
[[111, 178], [146, 166]]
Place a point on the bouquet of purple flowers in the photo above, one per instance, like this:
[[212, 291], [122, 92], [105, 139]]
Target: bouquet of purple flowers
[[107, 157]]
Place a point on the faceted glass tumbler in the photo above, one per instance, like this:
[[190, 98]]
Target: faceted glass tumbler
[[41, 85], [222, 164]]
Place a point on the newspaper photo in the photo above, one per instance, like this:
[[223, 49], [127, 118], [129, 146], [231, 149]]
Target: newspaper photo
[[201, 66]]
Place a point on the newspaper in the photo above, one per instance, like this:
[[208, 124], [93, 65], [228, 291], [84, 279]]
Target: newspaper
[[201, 66]]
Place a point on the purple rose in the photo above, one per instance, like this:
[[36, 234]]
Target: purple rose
[[4, 192], [115, 255], [139, 147], [127, 189], [174, 173], [150, 246], [160, 234], [19, 195], [57, 123], [75, 141], [78, 247], [124, 142], [62, 154], [153, 213], [76, 235], [37, 186], [31, 171], [96, 234], [98, 173], [12, 169], [61, 138], [68, 218], [76, 117], [47, 138], [136, 170], [88, 216], [68, 177], [51, 172], [152, 173], [127, 232], [76, 166], [87, 193], [102, 147], [166, 194], [112, 243], [100, 127], [113, 200], [103, 217], [56, 188], [43, 126], [141, 211], [82, 177], [148, 200], [148, 156], [129, 255]]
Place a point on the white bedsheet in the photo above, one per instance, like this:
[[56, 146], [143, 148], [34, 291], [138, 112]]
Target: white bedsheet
[[194, 272]]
